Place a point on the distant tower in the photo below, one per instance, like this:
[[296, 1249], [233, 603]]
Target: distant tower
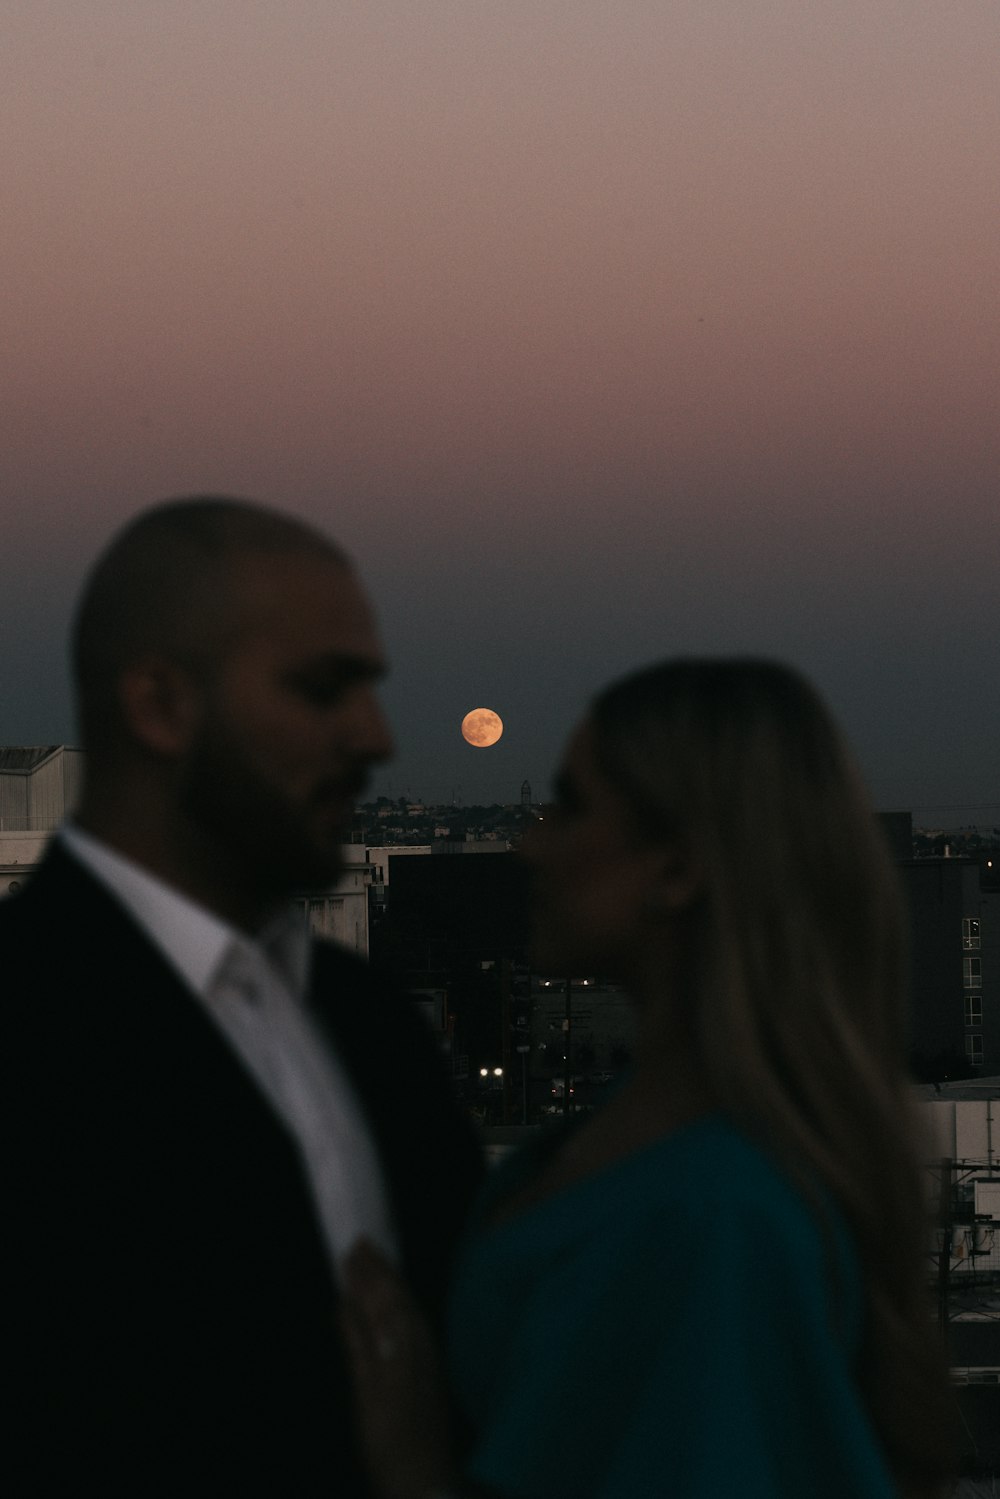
[[525, 795]]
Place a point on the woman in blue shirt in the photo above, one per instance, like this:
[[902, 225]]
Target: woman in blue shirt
[[716, 1283]]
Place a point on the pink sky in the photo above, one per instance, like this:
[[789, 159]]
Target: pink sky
[[704, 295]]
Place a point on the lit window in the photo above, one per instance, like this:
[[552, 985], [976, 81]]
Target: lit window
[[974, 1049], [973, 1009], [972, 973], [970, 932]]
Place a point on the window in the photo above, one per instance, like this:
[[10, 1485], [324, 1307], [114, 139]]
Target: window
[[973, 1009], [970, 932], [972, 973], [322, 915], [974, 1049]]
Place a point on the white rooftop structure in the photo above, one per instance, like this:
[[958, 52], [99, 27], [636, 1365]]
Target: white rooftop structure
[[39, 784]]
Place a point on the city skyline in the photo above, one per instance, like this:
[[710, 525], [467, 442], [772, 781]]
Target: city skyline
[[595, 335]]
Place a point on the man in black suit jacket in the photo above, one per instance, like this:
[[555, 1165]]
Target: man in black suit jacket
[[172, 1303]]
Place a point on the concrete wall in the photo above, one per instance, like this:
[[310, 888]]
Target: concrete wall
[[964, 1130], [37, 797]]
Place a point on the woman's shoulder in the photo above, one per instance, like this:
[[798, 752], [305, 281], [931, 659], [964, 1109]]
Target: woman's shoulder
[[714, 1170], [705, 1170]]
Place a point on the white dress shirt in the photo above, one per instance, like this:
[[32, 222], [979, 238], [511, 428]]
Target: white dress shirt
[[254, 992]]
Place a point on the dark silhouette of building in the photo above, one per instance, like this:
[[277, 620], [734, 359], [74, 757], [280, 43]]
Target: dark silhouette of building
[[453, 929], [954, 908]]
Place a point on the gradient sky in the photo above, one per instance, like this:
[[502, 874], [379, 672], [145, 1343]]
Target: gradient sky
[[596, 332]]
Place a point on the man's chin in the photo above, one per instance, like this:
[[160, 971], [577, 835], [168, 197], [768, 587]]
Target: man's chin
[[315, 867], [322, 871]]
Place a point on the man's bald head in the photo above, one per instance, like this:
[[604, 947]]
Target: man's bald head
[[165, 587]]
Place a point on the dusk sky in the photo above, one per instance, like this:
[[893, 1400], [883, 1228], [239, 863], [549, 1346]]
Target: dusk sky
[[595, 332]]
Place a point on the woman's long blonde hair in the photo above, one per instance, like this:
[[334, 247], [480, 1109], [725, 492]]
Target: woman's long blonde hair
[[793, 981]]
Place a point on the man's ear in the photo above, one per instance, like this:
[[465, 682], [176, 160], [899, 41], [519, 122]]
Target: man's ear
[[678, 880], [160, 705]]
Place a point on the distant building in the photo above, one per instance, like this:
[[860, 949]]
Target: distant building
[[39, 784], [963, 1155], [340, 913], [452, 930], [378, 859], [487, 843], [954, 907]]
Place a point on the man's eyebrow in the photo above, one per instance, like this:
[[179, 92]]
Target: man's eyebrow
[[340, 665]]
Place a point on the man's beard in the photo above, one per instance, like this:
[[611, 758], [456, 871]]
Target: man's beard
[[253, 825]]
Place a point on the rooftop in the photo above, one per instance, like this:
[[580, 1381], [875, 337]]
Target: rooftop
[[24, 758]]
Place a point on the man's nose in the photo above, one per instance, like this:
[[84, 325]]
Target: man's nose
[[371, 737]]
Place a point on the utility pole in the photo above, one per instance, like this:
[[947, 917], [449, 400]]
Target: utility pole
[[567, 1044], [947, 1234], [521, 1030], [505, 1036]]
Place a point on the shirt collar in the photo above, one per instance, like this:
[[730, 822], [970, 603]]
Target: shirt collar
[[193, 939]]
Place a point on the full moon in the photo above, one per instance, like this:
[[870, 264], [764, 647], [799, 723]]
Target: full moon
[[482, 727]]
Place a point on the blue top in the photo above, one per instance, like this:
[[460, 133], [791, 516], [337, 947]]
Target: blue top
[[667, 1326]]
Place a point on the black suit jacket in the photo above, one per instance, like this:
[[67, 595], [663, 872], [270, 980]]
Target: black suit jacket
[[171, 1315]]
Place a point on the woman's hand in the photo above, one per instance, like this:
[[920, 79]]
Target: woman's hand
[[402, 1404]]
